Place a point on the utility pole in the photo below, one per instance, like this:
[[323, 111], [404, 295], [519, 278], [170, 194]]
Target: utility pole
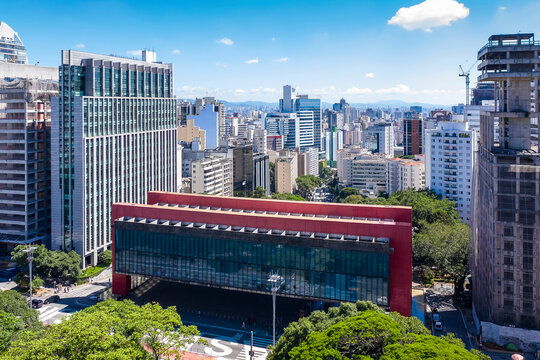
[[251, 352], [275, 281], [30, 254]]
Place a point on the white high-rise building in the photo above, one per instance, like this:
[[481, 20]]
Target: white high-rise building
[[212, 175], [113, 139], [312, 161], [368, 173], [449, 163], [12, 49], [406, 174], [259, 141]]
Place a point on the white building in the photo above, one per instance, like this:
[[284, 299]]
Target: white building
[[344, 161], [334, 143], [259, 141], [312, 161], [449, 163], [212, 175], [406, 174], [368, 174], [379, 138]]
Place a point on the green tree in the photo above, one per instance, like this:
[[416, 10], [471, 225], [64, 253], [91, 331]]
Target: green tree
[[259, 193], [15, 304], [346, 192], [287, 196], [420, 347], [306, 184], [50, 264], [109, 330], [105, 258], [9, 326], [443, 246]]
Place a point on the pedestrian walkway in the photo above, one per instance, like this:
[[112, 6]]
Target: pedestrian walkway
[[54, 313]]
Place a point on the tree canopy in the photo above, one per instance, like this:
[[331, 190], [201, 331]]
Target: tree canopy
[[287, 196], [363, 331], [105, 257], [109, 330], [52, 264], [306, 184]]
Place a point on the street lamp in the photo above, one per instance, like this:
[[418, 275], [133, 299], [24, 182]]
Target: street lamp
[[275, 282], [30, 254]]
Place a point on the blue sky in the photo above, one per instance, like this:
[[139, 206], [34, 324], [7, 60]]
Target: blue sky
[[364, 50]]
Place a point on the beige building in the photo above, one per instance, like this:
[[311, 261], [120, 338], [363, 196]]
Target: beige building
[[406, 174], [286, 171], [368, 173], [212, 175], [189, 132]]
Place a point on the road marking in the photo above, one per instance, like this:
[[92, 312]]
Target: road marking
[[47, 312], [214, 342]]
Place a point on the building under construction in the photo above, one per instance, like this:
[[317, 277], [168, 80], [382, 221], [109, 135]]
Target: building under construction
[[506, 251], [25, 171]]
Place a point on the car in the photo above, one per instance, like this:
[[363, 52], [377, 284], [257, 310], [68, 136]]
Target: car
[[37, 303], [438, 326], [52, 299], [436, 317]]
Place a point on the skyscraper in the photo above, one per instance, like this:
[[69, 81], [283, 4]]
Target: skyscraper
[[113, 139], [412, 133], [12, 49], [303, 104], [506, 242], [379, 138], [25, 168]]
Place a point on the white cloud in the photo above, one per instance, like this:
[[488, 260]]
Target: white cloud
[[357, 91], [134, 52], [225, 41], [283, 59], [239, 92], [270, 90], [429, 14], [80, 46], [220, 64], [502, 8], [253, 61], [398, 89], [176, 51], [370, 75]]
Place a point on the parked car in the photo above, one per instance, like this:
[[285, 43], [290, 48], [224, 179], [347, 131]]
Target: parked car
[[436, 317], [52, 299], [438, 326], [37, 303]]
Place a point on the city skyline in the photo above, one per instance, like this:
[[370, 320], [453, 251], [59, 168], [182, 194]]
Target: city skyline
[[359, 50]]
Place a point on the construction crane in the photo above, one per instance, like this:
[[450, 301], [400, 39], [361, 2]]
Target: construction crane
[[467, 80]]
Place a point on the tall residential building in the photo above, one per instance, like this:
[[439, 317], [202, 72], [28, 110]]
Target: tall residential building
[[379, 138], [403, 174], [450, 152], [259, 141], [344, 161], [286, 168], [12, 49], [506, 242], [285, 124], [25, 168], [113, 139], [189, 132], [412, 133], [312, 161], [334, 143], [243, 169], [274, 142], [212, 175]]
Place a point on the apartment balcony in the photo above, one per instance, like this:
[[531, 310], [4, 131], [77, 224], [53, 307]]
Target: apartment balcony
[[450, 173], [451, 161]]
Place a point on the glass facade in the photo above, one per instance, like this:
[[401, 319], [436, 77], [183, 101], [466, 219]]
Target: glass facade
[[245, 264]]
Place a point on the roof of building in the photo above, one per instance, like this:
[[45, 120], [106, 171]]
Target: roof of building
[[7, 33]]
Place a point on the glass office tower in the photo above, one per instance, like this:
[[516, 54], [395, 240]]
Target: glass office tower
[[113, 139]]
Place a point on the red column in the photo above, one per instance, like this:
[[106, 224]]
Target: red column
[[121, 284]]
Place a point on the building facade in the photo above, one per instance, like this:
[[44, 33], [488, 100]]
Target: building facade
[[12, 50], [333, 253], [261, 172], [113, 139], [212, 175], [25, 158], [189, 132], [379, 138], [368, 174], [404, 174], [412, 133], [286, 168], [506, 230], [450, 155]]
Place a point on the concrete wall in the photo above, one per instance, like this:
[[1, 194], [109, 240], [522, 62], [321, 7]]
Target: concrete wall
[[501, 335], [28, 71]]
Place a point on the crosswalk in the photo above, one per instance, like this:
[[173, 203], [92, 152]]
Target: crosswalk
[[258, 353], [51, 314], [259, 342]]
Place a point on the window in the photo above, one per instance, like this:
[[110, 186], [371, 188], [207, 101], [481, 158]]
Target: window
[[508, 275], [508, 246], [508, 231], [508, 260]]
